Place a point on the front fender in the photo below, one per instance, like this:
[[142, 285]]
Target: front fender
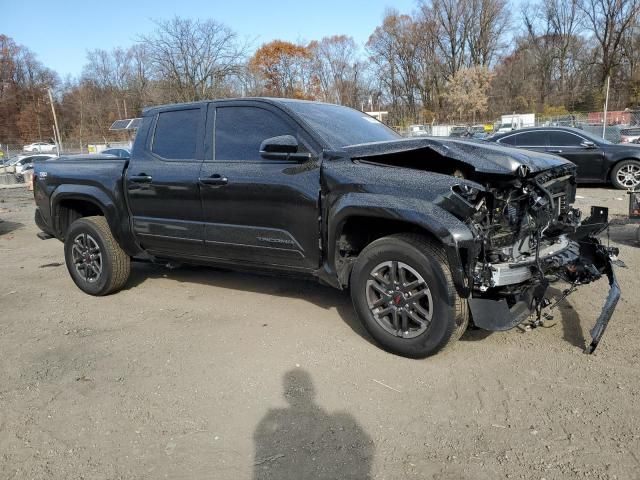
[[454, 235]]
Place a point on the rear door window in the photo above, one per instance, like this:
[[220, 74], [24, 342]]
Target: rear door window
[[510, 140], [564, 139], [177, 133], [532, 139]]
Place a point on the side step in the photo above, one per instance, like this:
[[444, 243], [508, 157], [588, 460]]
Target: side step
[[44, 236]]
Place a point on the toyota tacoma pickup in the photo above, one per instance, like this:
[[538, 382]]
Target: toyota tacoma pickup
[[427, 234]]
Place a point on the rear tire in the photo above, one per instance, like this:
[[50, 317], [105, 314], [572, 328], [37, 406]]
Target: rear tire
[[626, 174], [403, 293], [95, 261]]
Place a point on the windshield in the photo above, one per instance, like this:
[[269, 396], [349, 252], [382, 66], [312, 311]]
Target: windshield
[[595, 138], [341, 126]]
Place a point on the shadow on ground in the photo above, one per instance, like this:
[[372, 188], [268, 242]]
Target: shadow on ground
[[8, 227], [310, 290], [303, 441], [627, 234], [287, 286], [564, 314]]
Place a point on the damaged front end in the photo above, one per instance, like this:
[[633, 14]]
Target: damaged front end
[[518, 206], [528, 234]]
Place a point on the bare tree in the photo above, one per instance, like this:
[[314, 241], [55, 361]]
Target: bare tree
[[566, 21], [542, 42], [453, 20], [382, 47], [193, 58], [609, 22], [403, 51], [489, 20], [428, 64], [336, 66], [139, 76]]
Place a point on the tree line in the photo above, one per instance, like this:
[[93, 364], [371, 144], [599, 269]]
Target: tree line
[[446, 61]]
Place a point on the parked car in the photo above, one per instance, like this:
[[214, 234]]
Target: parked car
[[598, 160], [504, 127], [15, 158], [118, 152], [41, 147], [629, 135], [458, 131], [329, 192], [418, 131], [26, 163], [476, 132]]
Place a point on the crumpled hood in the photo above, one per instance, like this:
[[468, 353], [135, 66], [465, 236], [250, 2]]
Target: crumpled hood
[[482, 156]]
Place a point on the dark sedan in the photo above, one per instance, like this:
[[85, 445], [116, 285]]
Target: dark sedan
[[598, 160], [118, 152]]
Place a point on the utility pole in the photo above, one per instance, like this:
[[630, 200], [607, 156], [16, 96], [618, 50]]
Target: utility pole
[[606, 105], [55, 138], [55, 122]]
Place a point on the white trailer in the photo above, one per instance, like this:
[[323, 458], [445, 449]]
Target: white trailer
[[441, 130], [516, 121]]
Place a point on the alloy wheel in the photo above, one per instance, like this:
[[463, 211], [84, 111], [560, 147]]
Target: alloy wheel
[[399, 299], [87, 257], [629, 175]]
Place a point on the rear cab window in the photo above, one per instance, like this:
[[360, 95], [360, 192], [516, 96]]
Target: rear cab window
[[177, 134]]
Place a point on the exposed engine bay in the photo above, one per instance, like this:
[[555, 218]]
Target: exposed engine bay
[[530, 235]]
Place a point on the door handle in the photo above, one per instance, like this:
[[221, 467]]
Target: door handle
[[555, 151], [142, 178], [215, 180]]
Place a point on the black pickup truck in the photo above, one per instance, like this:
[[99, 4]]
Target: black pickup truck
[[426, 233]]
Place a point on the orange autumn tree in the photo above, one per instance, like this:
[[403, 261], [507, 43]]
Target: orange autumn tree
[[284, 69]]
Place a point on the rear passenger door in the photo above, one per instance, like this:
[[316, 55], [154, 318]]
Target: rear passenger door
[[259, 211], [162, 184]]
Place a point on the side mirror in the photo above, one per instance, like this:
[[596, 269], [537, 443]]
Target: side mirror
[[588, 144], [283, 147]]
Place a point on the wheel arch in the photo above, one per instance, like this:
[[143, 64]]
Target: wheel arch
[[69, 204], [357, 221]]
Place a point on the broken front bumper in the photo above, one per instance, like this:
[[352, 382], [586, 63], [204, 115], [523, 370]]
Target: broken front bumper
[[580, 260], [607, 311]]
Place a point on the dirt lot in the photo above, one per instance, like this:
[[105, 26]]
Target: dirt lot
[[202, 373]]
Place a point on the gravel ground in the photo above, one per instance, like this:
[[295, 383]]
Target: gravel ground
[[204, 373]]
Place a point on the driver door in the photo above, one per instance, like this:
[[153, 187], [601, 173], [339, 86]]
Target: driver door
[[255, 210]]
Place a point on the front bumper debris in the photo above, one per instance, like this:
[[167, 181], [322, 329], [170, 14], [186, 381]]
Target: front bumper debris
[[607, 311], [583, 261]]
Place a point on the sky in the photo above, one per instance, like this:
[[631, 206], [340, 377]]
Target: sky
[[60, 33]]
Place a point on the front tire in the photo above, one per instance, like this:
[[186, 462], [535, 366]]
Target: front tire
[[403, 293], [626, 174], [95, 261]]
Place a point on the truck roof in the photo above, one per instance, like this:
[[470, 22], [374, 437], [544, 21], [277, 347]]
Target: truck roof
[[273, 100]]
